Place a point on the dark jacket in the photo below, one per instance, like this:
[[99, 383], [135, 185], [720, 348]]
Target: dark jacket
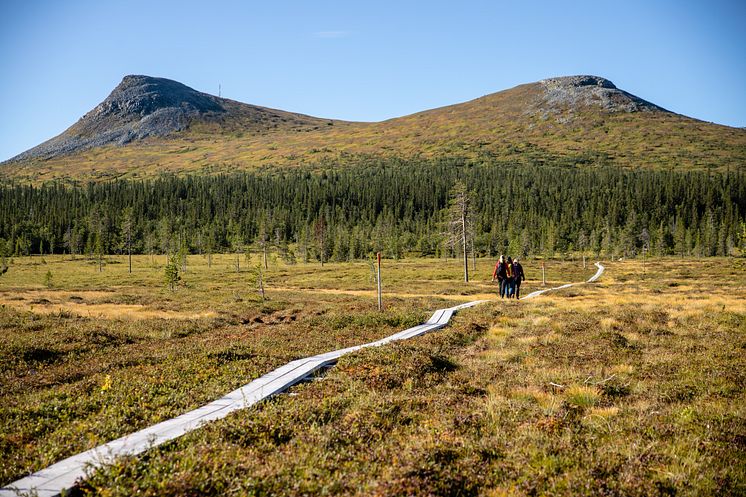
[[518, 272], [500, 271]]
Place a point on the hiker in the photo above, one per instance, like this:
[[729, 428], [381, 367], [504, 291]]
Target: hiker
[[518, 276], [509, 278], [499, 275]]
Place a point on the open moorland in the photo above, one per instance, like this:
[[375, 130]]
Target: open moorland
[[633, 385]]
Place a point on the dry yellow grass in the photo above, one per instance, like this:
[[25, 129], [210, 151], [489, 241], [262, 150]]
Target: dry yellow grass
[[73, 303]]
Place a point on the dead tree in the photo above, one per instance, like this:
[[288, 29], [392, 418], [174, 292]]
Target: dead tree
[[459, 222]]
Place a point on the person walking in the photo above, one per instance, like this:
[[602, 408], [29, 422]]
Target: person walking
[[509, 278], [518, 276], [499, 275]]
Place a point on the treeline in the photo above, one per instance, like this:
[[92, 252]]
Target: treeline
[[395, 207]]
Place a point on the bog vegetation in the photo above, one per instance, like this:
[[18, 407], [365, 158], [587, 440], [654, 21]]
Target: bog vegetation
[[629, 386]]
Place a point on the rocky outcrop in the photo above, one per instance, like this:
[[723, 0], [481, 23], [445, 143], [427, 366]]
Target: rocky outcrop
[[566, 95]]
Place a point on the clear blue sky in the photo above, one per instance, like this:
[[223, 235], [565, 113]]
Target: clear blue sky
[[364, 61]]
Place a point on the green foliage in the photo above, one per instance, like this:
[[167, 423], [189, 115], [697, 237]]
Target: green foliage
[[394, 206], [171, 271]]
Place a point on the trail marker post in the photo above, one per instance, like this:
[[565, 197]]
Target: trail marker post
[[378, 281], [543, 275]]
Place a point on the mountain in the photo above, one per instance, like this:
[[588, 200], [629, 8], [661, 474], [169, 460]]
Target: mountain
[[144, 106], [151, 125]]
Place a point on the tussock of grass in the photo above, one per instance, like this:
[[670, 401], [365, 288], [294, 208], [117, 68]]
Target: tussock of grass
[[609, 324], [582, 396], [498, 334]]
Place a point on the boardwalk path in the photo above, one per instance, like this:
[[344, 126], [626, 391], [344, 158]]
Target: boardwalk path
[[61, 476]]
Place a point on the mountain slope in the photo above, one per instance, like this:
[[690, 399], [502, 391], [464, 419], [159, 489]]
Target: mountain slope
[[144, 106], [150, 125]]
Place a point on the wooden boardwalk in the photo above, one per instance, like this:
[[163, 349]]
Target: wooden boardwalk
[[590, 280], [62, 476]]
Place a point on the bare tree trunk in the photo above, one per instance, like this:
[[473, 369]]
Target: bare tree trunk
[[261, 284]]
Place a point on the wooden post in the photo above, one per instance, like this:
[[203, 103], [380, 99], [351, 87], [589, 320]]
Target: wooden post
[[261, 283], [543, 275], [466, 255], [583, 260], [378, 280]]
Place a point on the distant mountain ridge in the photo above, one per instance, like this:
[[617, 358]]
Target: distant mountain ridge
[[145, 106], [150, 125]]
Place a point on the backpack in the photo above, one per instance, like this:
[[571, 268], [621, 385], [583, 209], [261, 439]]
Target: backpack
[[501, 270]]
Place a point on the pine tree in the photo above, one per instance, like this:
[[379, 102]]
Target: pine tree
[[171, 271], [237, 244], [320, 233], [680, 238], [128, 233]]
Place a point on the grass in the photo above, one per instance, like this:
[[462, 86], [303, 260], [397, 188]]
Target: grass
[[630, 386], [582, 397]]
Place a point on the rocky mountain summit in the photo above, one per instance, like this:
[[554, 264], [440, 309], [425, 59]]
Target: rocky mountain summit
[[153, 105], [572, 93], [145, 106]]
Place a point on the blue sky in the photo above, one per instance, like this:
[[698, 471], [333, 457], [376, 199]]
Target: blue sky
[[364, 61]]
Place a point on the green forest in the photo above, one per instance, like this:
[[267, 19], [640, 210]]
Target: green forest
[[397, 207]]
